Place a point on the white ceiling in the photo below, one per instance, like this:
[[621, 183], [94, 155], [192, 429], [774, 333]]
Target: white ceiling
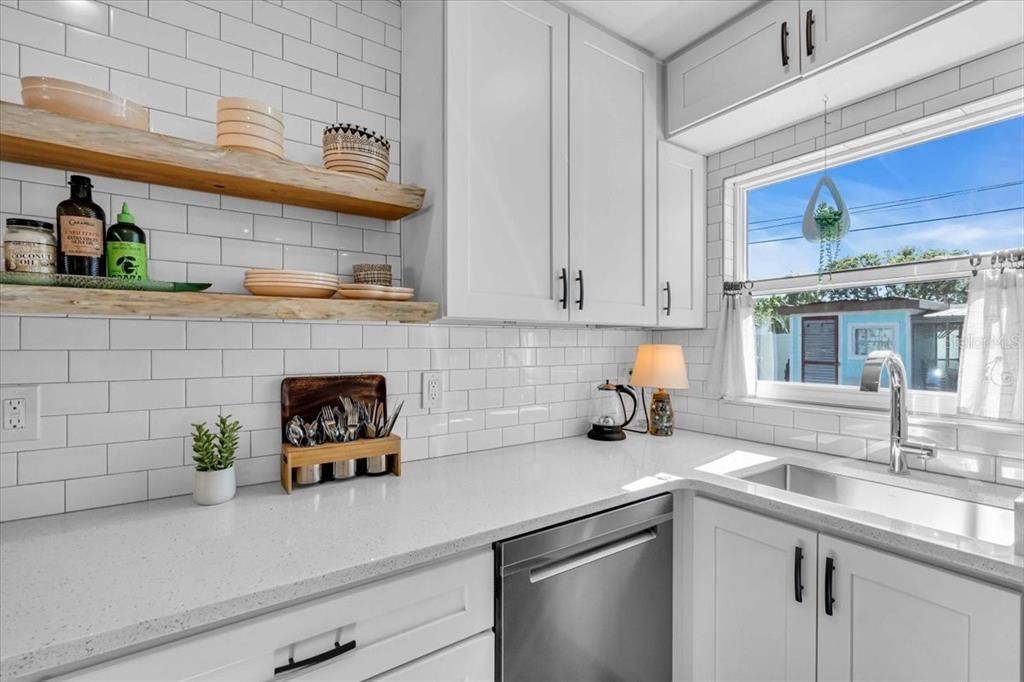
[[661, 26]]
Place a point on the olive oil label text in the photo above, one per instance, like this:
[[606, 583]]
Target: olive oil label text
[[81, 236]]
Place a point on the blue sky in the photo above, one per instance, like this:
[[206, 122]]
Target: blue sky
[[980, 158]]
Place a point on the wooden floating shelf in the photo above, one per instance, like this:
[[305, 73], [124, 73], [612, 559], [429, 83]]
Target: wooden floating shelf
[[43, 138], [18, 299]]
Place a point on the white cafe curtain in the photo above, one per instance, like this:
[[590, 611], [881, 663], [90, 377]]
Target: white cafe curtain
[[991, 347], [733, 362]]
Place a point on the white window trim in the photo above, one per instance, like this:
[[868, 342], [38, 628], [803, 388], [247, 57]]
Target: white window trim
[[975, 114], [852, 340]]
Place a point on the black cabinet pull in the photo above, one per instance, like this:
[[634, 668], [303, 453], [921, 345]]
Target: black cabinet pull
[[338, 650], [784, 34], [668, 303], [830, 567], [798, 575], [564, 277], [580, 280], [808, 32]]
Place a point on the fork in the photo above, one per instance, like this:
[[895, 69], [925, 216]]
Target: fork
[[330, 427], [352, 416]]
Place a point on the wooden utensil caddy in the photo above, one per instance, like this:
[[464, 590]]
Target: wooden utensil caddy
[[304, 396], [293, 457]]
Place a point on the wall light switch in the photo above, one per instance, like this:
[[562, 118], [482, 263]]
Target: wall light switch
[[432, 389], [19, 413]]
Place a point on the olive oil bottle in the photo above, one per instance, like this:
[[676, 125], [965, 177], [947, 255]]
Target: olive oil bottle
[[126, 248], [80, 225]]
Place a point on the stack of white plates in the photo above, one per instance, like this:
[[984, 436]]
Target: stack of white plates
[[294, 283], [376, 292], [250, 125]]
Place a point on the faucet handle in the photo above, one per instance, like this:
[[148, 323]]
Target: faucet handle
[[922, 450]]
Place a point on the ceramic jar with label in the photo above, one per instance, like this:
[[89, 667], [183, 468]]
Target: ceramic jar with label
[[29, 246], [81, 226]]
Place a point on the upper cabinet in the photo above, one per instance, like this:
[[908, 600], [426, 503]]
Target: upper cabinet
[[771, 67], [682, 234], [534, 134], [831, 30], [507, 136], [612, 187], [758, 52]]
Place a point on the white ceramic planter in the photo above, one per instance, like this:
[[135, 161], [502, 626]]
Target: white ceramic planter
[[214, 487]]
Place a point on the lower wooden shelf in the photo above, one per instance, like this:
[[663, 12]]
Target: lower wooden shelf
[[32, 300]]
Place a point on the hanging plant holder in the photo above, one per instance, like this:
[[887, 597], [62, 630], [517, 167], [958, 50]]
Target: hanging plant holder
[[812, 230]]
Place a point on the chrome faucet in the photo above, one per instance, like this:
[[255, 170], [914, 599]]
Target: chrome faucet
[[900, 444]]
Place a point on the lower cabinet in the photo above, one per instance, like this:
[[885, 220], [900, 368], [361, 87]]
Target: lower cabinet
[[865, 614], [468, 661], [897, 620], [433, 623], [753, 597]]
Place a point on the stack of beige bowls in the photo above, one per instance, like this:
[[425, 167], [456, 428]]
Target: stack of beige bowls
[[251, 126], [291, 283]]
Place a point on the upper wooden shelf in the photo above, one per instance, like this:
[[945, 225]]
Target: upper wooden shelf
[[42, 138], [17, 299]]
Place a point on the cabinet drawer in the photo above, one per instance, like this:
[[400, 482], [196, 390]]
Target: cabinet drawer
[[468, 661], [392, 622]]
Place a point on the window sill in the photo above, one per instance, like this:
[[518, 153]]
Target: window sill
[[882, 414]]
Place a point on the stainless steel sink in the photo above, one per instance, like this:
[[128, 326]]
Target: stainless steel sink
[[949, 514]]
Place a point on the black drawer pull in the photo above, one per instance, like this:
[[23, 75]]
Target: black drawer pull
[[564, 277], [784, 35], [808, 32], [830, 567], [668, 303], [798, 575], [338, 650]]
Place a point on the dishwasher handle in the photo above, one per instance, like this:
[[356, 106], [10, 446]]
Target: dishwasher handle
[[592, 555]]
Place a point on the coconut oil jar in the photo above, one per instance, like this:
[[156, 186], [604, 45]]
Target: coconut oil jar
[[30, 246]]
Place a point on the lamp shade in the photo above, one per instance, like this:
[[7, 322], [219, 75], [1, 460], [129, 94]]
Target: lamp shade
[[660, 365]]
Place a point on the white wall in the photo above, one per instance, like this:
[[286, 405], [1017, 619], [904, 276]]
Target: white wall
[[118, 395], [991, 454]]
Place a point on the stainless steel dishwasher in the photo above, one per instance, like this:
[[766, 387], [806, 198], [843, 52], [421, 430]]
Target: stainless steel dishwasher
[[589, 600]]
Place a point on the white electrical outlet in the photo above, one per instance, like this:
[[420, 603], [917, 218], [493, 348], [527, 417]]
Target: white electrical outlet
[[19, 413], [432, 391]]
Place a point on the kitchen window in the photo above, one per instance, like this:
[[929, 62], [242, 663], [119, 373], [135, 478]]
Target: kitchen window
[[922, 199]]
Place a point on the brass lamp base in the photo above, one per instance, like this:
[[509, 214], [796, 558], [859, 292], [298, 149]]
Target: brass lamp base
[[663, 418]]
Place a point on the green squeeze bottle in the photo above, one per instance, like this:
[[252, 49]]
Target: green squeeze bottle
[[126, 248]]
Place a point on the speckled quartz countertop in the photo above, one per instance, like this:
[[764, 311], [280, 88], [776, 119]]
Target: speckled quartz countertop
[[90, 585]]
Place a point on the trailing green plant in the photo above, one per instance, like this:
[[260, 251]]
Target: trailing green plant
[[829, 221], [215, 451]]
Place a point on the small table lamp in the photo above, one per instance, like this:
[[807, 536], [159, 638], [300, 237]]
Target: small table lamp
[[661, 366]]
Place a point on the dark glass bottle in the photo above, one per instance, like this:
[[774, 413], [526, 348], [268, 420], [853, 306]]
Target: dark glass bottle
[[80, 231]]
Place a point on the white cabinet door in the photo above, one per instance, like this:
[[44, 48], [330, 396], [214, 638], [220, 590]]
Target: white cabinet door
[[471, 660], [830, 30], [752, 55], [612, 166], [748, 623], [507, 156], [681, 237], [894, 619]]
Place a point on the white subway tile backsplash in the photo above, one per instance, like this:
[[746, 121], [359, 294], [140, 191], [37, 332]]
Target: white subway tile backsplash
[[186, 248], [284, 231], [108, 365], [218, 391], [336, 336], [64, 463], [283, 20], [55, 333], [144, 455], [104, 491], [26, 501], [171, 481], [141, 30], [180, 364], [112, 427], [112, 52], [173, 69], [281, 72], [87, 14], [247, 34], [320, 361], [250, 253], [178, 422], [73, 398], [219, 334], [355, 21], [240, 9], [146, 395], [186, 15], [312, 56], [336, 40], [8, 469], [337, 89], [17, 26], [147, 334], [151, 93], [248, 363], [387, 12]]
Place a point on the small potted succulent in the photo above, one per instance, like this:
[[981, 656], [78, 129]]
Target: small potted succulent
[[214, 455]]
